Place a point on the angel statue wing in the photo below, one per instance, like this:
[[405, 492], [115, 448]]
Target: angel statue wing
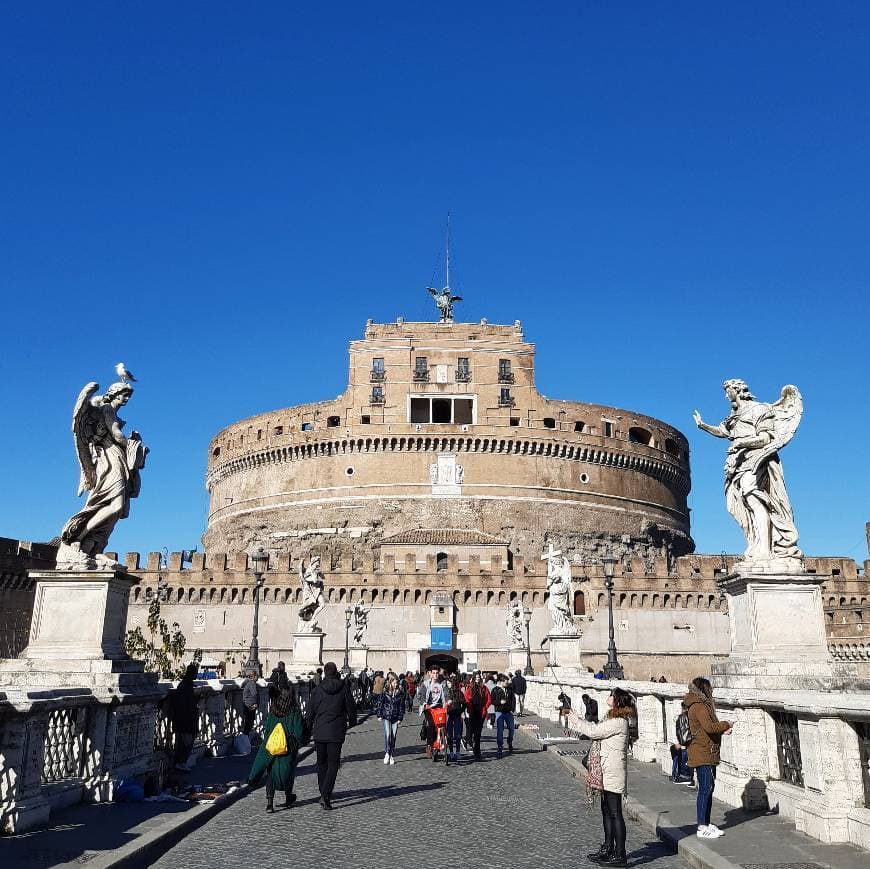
[[84, 430], [455, 299], [787, 414]]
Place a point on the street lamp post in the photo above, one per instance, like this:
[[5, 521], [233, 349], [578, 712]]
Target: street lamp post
[[527, 618], [345, 669], [259, 564], [612, 669]]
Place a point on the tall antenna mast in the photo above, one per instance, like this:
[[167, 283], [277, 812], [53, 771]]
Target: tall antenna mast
[[447, 257]]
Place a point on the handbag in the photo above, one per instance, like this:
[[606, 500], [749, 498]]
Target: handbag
[[595, 772], [276, 744]]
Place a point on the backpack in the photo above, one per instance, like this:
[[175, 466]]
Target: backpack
[[684, 732], [276, 744]]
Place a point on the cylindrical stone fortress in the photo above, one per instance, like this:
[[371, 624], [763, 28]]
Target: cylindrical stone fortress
[[441, 427]]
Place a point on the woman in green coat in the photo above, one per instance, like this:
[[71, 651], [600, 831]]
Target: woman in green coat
[[281, 770]]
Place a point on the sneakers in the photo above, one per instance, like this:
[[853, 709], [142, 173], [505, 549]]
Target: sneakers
[[392, 760], [715, 830], [711, 832], [387, 757]]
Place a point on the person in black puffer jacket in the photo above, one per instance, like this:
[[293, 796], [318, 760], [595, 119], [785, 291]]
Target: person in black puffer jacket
[[331, 710]]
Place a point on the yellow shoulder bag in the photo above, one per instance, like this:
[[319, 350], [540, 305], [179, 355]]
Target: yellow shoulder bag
[[276, 744]]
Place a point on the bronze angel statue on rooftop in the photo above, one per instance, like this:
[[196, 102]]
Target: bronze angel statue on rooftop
[[754, 484], [444, 299], [110, 464]]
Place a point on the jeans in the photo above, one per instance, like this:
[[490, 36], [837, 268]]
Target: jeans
[[680, 763], [521, 703], [248, 715], [454, 733], [390, 730], [614, 823], [706, 783], [328, 759], [502, 718]]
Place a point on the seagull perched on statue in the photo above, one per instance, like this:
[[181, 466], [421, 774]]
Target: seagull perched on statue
[[121, 371]]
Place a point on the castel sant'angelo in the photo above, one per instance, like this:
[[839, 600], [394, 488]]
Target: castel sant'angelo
[[433, 494]]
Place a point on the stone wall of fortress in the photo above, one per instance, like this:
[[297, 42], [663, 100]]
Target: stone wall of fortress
[[670, 617]]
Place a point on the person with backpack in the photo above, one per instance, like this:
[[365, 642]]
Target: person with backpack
[[680, 772], [520, 686], [279, 751], [477, 699], [703, 750], [608, 771]]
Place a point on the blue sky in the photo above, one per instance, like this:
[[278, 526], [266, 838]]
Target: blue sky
[[666, 194]]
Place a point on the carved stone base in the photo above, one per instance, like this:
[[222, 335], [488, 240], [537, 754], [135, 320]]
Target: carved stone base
[[517, 659], [565, 650], [777, 633], [307, 652], [358, 658]]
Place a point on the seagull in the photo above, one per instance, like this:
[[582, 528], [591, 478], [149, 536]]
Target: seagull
[[126, 376]]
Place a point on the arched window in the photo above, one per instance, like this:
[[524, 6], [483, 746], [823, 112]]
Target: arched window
[[638, 435], [672, 448], [441, 561], [579, 603]]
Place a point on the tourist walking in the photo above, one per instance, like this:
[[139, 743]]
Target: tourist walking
[[390, 709], [680, 772], [610, 747], [184, 714], [250, 701], [590, 708], [331, 710], [279, 676], [279, 751], [490, 712], [477, 699], [377, 687], [455, 710], [504, 703], [706, 732], [519, 685]]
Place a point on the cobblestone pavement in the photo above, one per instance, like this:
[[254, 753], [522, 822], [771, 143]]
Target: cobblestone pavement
[[521, 812]]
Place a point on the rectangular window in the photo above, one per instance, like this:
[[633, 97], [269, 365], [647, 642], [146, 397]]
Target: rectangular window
[[365, 419], [515, 420], [608, 428], [462, 364], [505, 397], [463, 411], [306, 426], [420, 363], [378, 365], [441, 410], [419, 410], [504, 366], [578, 426], [377, 395]]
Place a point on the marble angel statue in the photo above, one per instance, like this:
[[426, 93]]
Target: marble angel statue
[[561, 589], [514, 624], [110, 464], [360, 621], [313, 600], [754, 484]]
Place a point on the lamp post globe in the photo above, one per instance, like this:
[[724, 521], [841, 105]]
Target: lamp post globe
[[259, 566], [612, 669]]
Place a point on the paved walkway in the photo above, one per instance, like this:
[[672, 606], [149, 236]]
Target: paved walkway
[[521, 812]]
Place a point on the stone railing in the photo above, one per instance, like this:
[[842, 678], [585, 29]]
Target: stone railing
[[804, 754], [63, 746]]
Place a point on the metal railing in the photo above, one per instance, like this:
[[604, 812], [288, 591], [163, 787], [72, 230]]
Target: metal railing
[[420, 375], [378, 376], [788, 747], [463, 375], [505, 377]]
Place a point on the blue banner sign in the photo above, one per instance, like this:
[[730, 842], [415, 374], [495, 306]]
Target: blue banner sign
[[442, 638]]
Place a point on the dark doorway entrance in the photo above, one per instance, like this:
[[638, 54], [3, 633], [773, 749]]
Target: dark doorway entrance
[[450, 663]]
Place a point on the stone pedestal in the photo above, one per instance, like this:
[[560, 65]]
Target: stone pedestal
[[77, 635], [358, 658], [307, 652], [565, 650], [777, 633], [517, 659]]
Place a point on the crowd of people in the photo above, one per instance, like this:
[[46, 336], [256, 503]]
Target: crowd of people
[[454, 709]]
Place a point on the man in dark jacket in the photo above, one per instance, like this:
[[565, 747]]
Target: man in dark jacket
[[590, 709], [505, 702], [184, 714], [279, 677], [519, 686], [331, 710]]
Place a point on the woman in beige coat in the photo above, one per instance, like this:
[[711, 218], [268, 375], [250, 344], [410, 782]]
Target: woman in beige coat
[[613, 736]]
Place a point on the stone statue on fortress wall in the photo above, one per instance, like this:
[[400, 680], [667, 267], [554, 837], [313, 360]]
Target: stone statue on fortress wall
[[360, 621], [110, 464], [313, 600], [514, 624], [754, 484], [445, 300], [561, 593]]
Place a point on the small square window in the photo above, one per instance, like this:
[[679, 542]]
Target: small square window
[[515, 420], [608, 429], [279, 429], [306, 426], [365, 419], [578, 426]]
